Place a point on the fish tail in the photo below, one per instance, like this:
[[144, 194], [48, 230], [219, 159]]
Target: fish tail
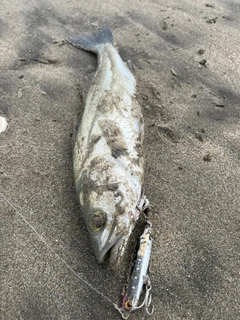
[[93, 43]]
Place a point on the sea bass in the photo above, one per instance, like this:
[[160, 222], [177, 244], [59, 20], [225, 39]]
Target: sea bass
[[108, 152]]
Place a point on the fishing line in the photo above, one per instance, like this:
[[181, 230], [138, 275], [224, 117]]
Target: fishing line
[[51, 249]]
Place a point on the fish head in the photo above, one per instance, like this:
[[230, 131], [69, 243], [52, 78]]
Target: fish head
[[109, 233], [108, 211]]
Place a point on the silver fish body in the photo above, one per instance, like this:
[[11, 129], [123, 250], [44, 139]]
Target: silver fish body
[[108, 155]]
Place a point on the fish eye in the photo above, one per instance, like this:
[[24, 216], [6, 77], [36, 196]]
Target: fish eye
[[128, 304], [97, 221]]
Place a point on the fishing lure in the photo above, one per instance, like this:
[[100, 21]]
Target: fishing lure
[[139, 278]]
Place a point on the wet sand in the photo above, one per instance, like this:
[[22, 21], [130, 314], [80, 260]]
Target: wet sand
[[187, 64]]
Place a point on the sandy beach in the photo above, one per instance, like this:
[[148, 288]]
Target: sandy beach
[[186, 61]]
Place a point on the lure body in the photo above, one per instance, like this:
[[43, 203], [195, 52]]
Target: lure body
[[139, 276]]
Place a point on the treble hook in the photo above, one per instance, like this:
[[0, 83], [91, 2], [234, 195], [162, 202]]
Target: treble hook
[[148, 299]]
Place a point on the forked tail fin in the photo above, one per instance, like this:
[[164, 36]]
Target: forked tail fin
[[93, 43]]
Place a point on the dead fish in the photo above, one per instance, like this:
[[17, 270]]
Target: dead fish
[[108, 152]]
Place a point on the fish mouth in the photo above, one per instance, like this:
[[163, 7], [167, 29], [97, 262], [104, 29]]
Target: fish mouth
[[109, 249], [117, 253], [114, 247], [106, 250]]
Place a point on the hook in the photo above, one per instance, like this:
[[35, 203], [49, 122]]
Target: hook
[[148, 297]]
